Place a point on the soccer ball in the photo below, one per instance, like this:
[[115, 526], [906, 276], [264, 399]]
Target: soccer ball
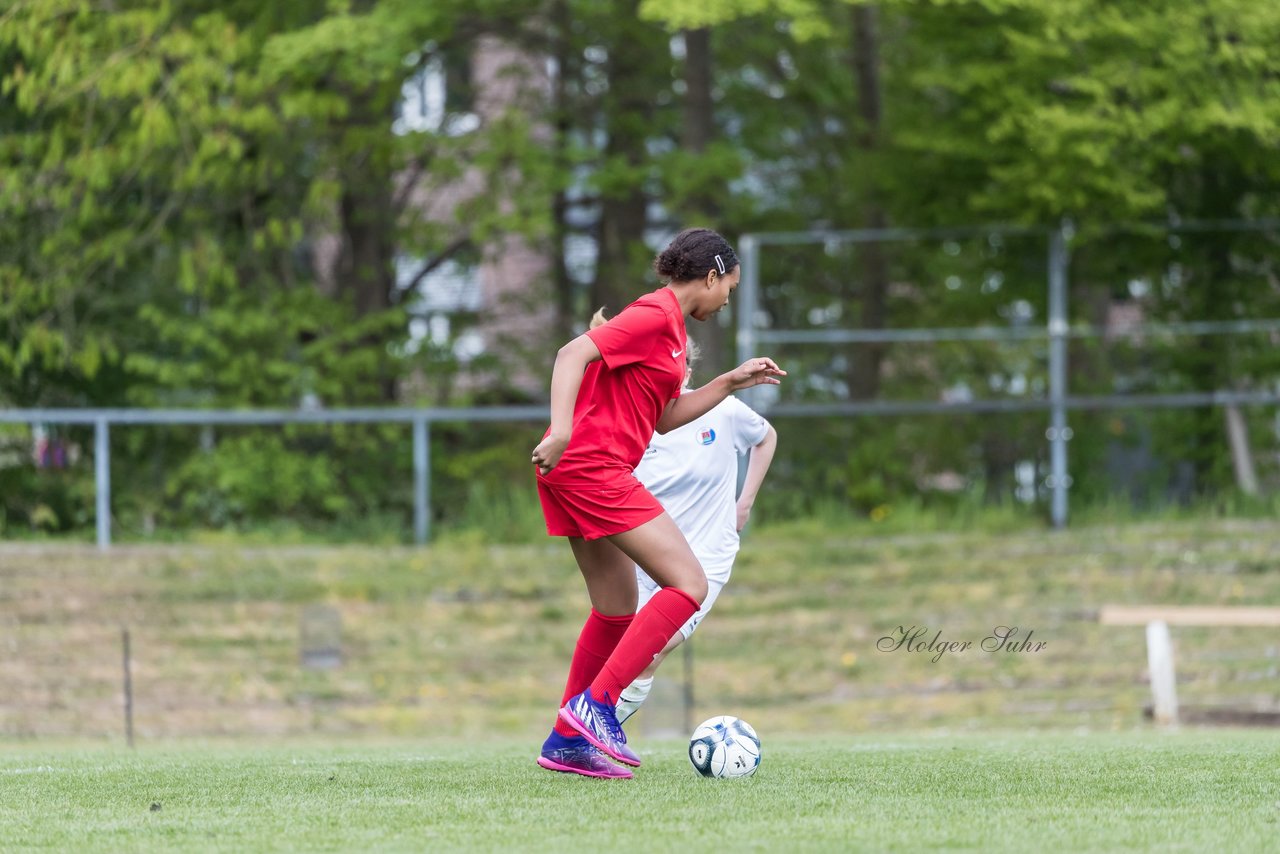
[[725, 746]]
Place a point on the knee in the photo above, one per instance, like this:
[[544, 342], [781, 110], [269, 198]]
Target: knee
[[696, 588]]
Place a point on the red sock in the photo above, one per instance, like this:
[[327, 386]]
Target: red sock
[[600, 635], [657, 622]]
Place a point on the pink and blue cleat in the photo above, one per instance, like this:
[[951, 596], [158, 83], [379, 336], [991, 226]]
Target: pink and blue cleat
[[576, 755], [598, 722]]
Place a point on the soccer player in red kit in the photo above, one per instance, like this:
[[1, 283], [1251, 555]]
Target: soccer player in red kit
[[610, 389]]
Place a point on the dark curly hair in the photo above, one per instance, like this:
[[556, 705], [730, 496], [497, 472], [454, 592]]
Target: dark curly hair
[[693, 253]]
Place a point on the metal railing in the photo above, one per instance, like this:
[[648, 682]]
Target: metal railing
[[421, 420], [1056, 331]]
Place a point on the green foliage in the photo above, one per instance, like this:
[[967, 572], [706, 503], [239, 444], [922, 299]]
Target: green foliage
[[165, 173], [806, 18], [170, 175], [249, 477], [43, 501], [1086, 109]]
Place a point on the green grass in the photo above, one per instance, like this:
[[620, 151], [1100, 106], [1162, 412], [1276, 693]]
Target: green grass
[[468, 636], [469, 639], [1182, 792]]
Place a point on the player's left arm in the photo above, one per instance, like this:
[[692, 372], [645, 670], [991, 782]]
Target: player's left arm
[[757, 467]]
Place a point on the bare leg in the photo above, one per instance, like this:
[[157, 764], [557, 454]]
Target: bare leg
[[661, 550], [610, 575]]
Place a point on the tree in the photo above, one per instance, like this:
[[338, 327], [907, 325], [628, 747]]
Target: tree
[[1008, 110], [166, 171]]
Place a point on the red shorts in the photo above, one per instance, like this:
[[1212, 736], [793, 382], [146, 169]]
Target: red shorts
[[596, 510]]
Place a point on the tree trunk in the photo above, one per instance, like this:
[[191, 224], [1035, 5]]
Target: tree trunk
[[366, 265], [618, 278], [1241, 453], [699, 119], [628, 118], [864, 375], [1208, 357], [561, 284], [366, 208], [698, 132]]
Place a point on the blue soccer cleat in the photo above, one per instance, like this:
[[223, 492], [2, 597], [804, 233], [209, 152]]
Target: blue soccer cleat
[[599, 723], [576, 755]]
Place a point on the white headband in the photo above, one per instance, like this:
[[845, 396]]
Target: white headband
[[720, 264]]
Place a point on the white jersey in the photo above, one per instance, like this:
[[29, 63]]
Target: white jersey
[[693, 471]]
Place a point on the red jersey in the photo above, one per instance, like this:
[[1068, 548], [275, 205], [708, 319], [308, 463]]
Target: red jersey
[[623, 395]]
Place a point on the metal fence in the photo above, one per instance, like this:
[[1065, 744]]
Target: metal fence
[[751, 335], [421, 419], [1056, 332]]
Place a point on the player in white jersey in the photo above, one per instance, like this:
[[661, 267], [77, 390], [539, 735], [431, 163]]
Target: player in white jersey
[[693, 471]]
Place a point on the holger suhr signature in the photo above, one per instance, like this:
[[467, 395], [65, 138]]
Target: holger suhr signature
[[916, 639]]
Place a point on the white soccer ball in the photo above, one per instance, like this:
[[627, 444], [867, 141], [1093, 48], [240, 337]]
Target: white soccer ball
[[725, 746]]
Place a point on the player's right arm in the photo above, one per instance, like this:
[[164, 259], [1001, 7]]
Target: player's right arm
[[566, 378], [694, 404], [757, 467]]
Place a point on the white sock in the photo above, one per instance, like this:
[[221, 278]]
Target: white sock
[[632, 697]]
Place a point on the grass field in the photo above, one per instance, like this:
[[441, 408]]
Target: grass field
[[469, 636], [453, 656], [1197, 791]]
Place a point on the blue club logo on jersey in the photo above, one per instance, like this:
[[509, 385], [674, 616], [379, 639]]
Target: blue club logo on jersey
[[706, 436]]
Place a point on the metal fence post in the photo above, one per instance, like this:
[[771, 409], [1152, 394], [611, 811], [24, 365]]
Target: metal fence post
[[421, 480], [1058, 433], [102, 480], [128, 687]]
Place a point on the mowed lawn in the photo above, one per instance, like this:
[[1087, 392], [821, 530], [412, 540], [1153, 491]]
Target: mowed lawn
[[1199, 790]]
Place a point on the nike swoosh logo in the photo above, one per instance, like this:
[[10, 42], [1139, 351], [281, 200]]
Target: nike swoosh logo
[[675, 354]]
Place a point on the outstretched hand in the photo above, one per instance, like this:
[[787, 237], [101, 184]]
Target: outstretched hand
[[548, 453], [758, 371]]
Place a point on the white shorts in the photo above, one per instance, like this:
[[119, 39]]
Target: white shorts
[[717, 578]]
